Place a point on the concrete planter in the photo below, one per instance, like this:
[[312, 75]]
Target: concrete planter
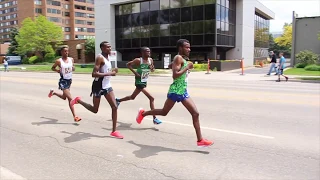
[[225, 65]]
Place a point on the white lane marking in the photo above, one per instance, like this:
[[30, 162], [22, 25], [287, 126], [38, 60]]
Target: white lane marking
[[7, 174], [220, 130]]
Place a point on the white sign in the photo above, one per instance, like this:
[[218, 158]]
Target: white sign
[[166, 60], [113, 57]]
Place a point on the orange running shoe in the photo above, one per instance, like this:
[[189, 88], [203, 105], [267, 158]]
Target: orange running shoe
[[77, 119]]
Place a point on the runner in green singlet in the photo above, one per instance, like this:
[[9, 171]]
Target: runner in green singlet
[[178, 91], [144, 66]]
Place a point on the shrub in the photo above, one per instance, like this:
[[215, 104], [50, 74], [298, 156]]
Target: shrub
[[307, 57], [25, 60], [300, 65], [33, 60], [200, 66], [312, 68], [49, 57]]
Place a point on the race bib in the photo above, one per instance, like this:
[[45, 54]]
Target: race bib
[[144, 76], [67, 70]]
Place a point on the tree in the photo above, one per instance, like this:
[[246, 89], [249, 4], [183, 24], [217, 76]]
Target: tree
[[286, 38], [90, 46], [13, 43], [276, 48], [37, 36], [319, 35]]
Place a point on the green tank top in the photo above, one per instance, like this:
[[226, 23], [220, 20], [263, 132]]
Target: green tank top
[[179, 84], [143, 70]]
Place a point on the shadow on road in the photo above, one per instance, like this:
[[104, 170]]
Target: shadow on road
[[79, 136], [147, 151], [51, 121], [127, 126]]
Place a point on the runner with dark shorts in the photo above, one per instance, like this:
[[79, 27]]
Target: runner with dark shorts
[[66, 66], [144, 66], [101, 86]]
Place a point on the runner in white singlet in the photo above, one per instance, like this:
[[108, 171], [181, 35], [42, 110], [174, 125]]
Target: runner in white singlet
[[101, 86], [66, 66]]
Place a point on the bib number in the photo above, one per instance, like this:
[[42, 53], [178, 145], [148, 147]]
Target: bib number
[[67, 70], [145, 76]]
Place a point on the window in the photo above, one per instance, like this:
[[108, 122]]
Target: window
[[164, 16], [67, 36], [37, 2], [79, 14], [164, 30], [164, 4], [210, 12], [197, 27], [53, 11], [174, 29], [54, 19], [154, 17], [136, 8], [154, 5], [91, 30], [197, 13], [186, 3], [185, 14], [38, 10], [53, 3], [90, 23], [90, 9], [67, 29], [145, 6], [174, 4], [174, 15], [80, 21]]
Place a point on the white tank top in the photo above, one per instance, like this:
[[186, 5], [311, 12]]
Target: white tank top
[[66, 68], [107, 67]]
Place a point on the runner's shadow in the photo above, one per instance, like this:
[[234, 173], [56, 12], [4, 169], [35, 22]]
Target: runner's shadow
[[127, 126], [147, 151], [51, 121], [79, 136]]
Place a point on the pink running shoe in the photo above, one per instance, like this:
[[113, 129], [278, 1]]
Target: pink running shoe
[[116, 134], [139, 116], [50, 93], [74, 101], [204, 143]]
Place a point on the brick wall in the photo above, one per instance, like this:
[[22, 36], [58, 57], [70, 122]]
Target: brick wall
[[73, 52]]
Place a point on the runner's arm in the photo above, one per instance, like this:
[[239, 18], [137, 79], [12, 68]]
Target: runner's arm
[[133, 62], [73, 67], [170, 66], [152, 65], [96, 73], [176, 66], [55, 65]]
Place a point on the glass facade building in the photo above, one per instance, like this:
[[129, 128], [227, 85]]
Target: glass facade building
[[261, 33], [158, 24]]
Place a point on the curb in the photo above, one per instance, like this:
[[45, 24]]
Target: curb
[[160, 75]]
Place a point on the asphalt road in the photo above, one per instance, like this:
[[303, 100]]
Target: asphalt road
[[261, 130]]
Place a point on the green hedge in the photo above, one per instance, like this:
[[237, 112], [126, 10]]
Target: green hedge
[[312, 68]]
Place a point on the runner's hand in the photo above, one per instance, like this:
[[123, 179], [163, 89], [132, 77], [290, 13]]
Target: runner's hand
[[115, 70], [190, 65], [151, 68]]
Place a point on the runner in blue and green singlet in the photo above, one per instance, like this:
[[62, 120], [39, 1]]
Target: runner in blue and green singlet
[[144, 66], [178, 91]]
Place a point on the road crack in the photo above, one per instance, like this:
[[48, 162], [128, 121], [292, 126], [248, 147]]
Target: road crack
[[99, 157]]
